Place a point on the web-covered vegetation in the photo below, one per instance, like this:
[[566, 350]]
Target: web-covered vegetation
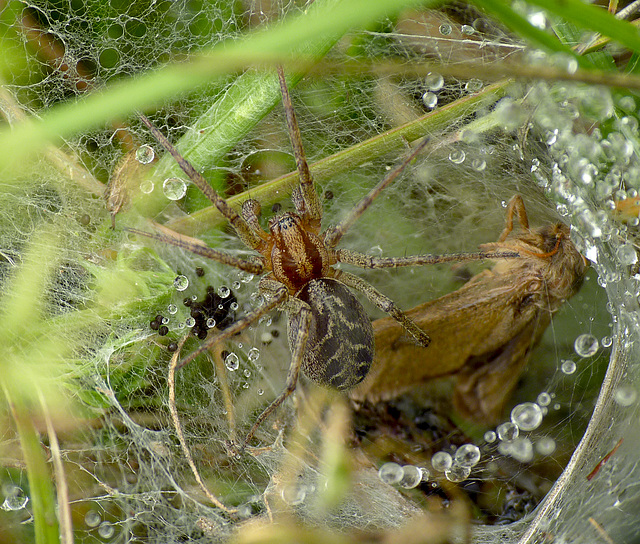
[[86, 371]]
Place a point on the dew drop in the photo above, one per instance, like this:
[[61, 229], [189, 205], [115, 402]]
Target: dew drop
[[467, 455], [467, 29], [521, 449], [527, 416], [544, 399], [606, 341], [507, 431], [254, 354], [190, 322], [441, 461], [146, 187], [181, 283], [15, 498], [106, 530], [537, 19], [473, 85], [92, 518], [627, 255], [294, 494], [434, 81], [546, 445], [174, 188], [233, 306], [411, 476], [627, 103], [489, 437], [586, 345], [457, 156], [245, 277], [430, 100], [172, 309], [568, 366], [232, 362], [224, 291], [457, 473], [445, 29], [425, 474], [479, 164], [625, 395], [145, 154], [391, 473]]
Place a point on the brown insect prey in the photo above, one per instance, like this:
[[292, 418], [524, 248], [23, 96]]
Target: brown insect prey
[[485, 331]]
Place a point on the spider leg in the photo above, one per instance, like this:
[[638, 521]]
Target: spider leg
[[516, 205], [308, 206], [247, 236], [362, 260], [334, 234], [199, 248], [297, 352], [238, 326], [385, 304]]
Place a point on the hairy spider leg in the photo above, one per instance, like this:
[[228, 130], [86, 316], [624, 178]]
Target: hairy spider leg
[[307, 202], [334, 235], [245, 233]]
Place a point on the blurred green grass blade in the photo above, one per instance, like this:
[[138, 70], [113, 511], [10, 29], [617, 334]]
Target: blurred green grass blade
[[22, 377], [570, 34], [519, 24], [298, 34], [41, 491], [596, 18]]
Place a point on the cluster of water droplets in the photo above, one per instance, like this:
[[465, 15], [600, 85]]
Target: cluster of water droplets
[[405, 476], [173, 188], [103, 528]]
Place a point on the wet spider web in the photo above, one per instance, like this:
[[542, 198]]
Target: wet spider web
[[128, 477]]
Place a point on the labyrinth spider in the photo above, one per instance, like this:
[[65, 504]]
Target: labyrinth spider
[[330, 335]]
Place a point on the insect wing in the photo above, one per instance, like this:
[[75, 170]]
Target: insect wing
[[463, 326]]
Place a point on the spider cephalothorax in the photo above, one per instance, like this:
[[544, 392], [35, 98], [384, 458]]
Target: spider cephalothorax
[[298, 255]]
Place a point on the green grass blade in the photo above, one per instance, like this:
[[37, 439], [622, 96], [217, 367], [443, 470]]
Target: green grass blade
[[595, 18], [299, 34], [518, 24]]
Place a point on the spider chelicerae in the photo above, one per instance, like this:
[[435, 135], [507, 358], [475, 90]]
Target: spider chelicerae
[[330, 334]]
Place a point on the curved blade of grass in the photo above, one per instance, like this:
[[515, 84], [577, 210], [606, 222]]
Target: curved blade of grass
[[300, 33], [518, 24], [595, 18], [391, 141]]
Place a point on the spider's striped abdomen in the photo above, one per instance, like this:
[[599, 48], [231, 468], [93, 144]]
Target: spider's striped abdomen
[[340, 346]]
